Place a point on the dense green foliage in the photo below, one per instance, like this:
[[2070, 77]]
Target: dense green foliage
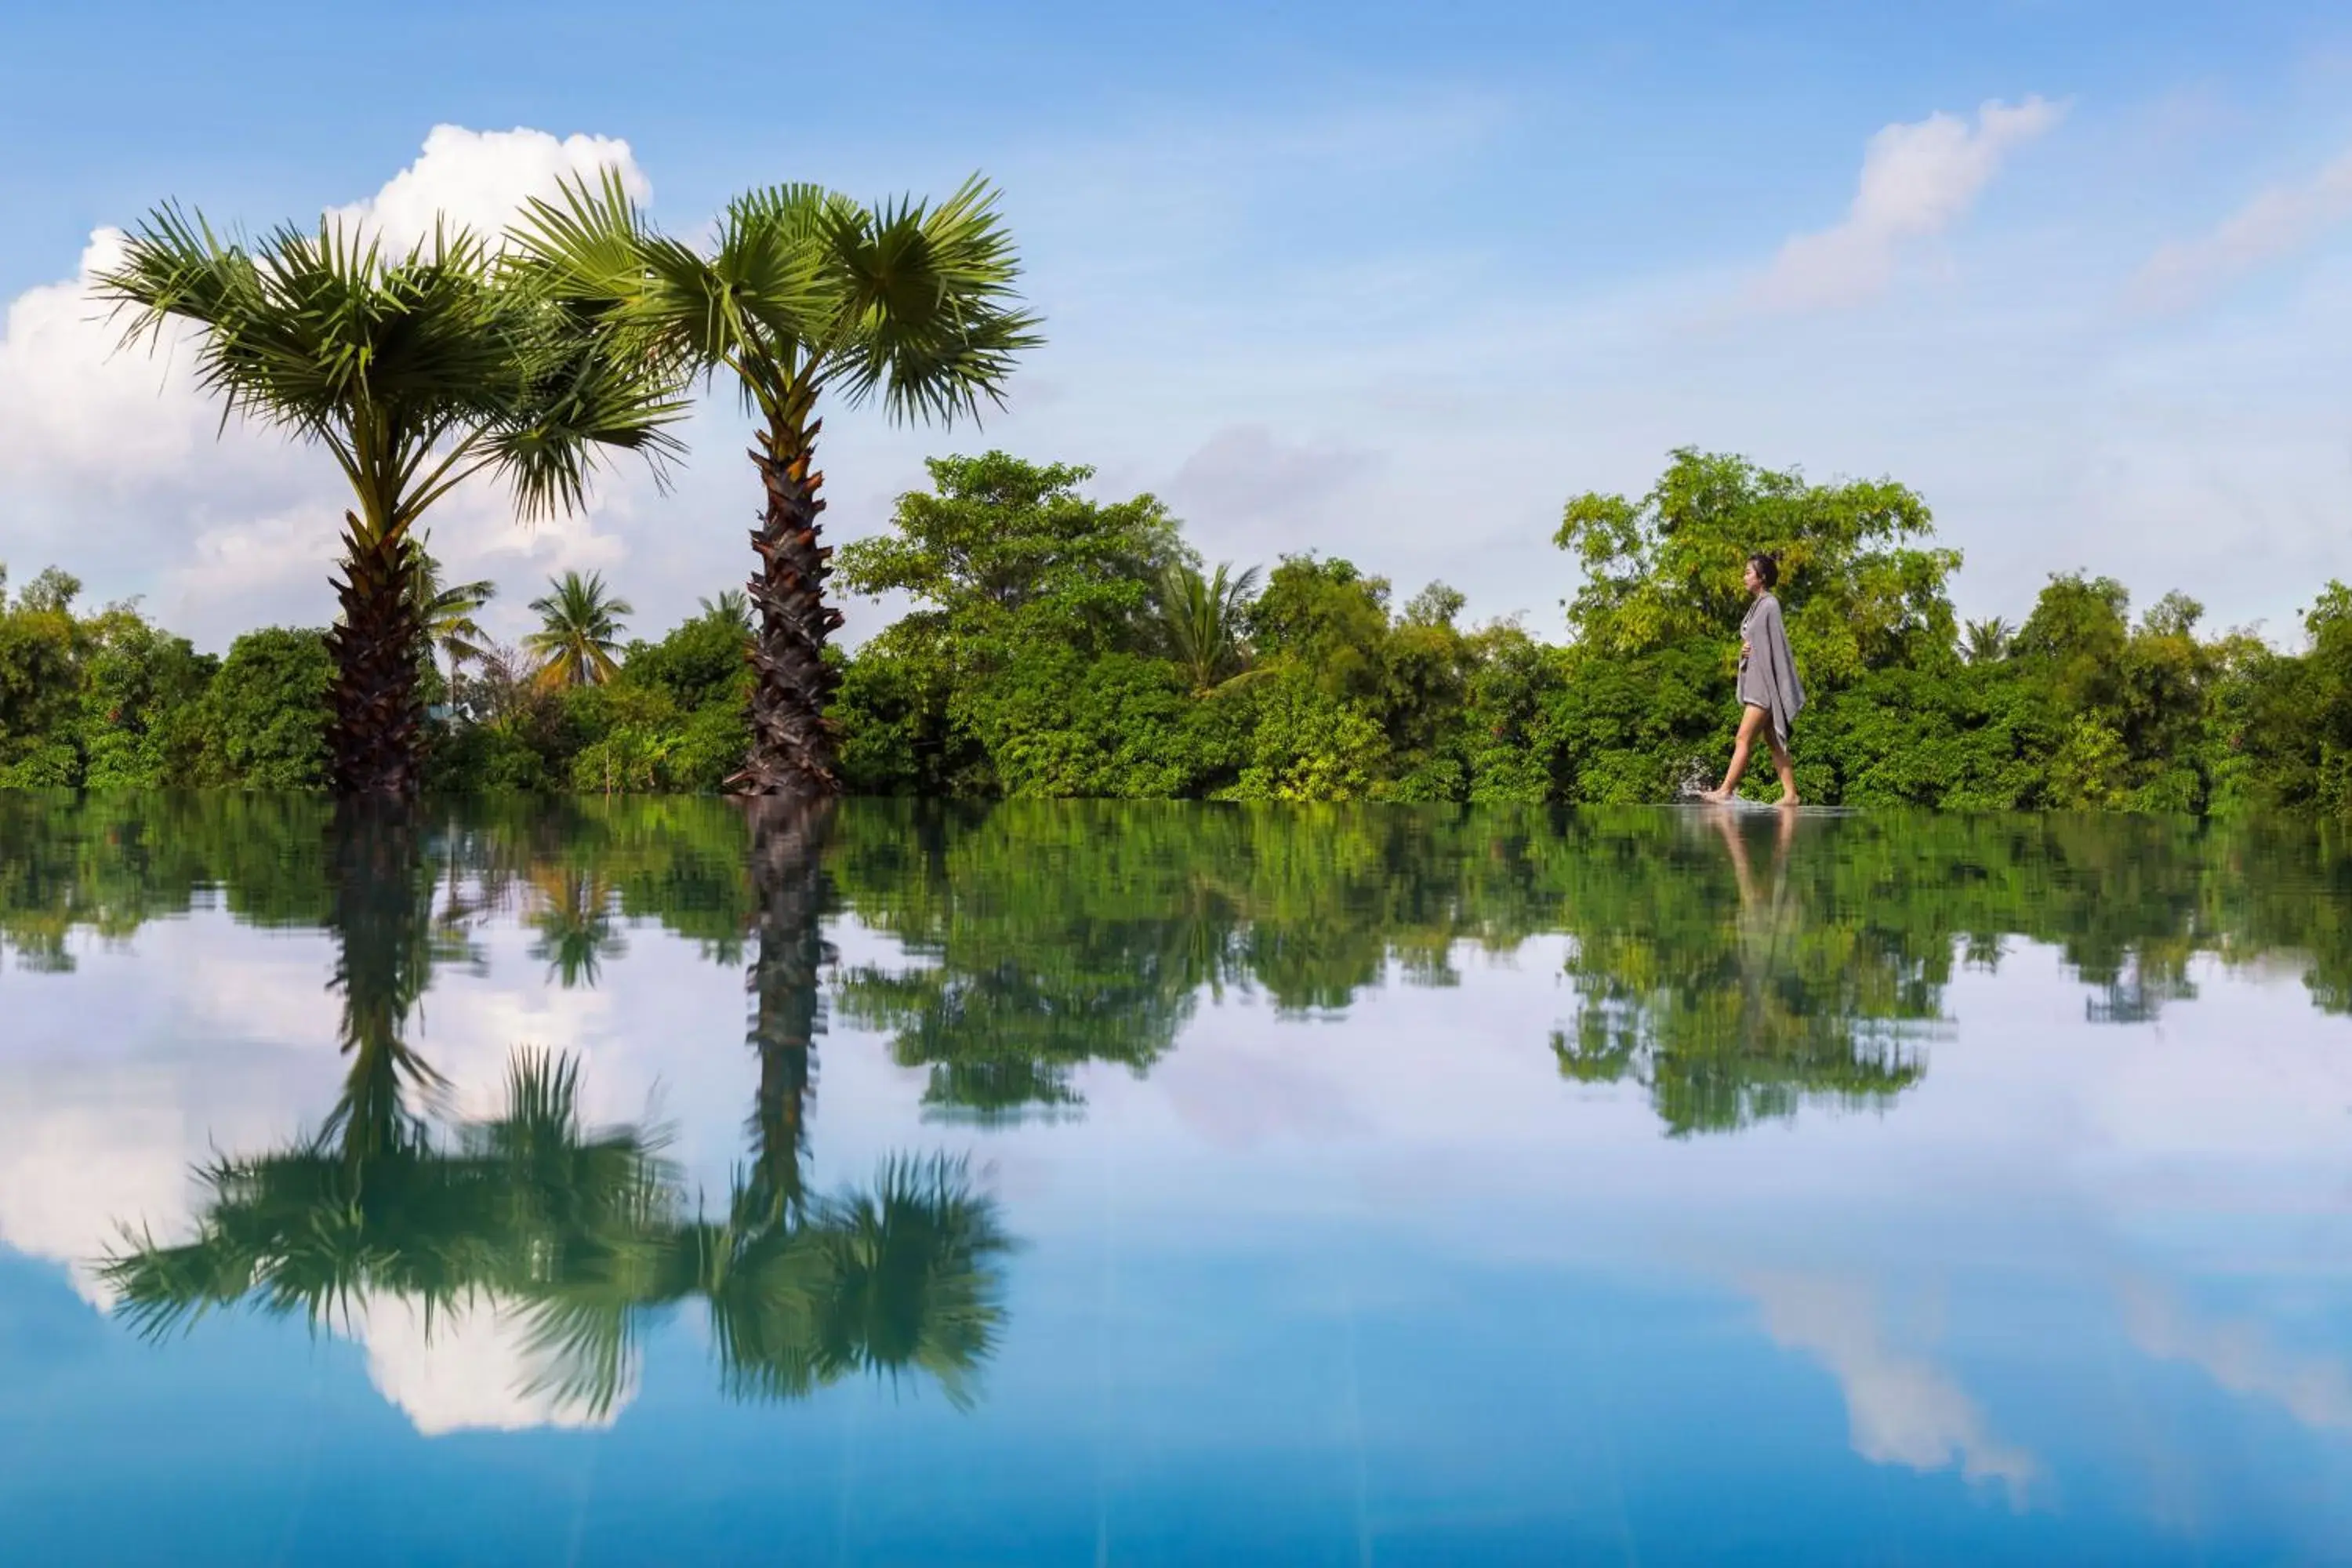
[[1056, 645]]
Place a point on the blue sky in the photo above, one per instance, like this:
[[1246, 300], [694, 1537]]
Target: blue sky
[[1389, 281]]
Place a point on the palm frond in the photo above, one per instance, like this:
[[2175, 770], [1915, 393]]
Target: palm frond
[[937, 322]]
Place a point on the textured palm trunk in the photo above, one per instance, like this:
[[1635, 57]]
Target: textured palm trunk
[[792, 891], [375, 739], [792, 756]]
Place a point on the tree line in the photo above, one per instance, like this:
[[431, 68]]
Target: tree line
[[1061, 645]]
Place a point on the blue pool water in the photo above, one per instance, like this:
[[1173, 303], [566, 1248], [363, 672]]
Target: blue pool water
[[657, 1183]]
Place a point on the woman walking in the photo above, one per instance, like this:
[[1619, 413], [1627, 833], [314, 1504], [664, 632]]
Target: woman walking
[[1771, 697]]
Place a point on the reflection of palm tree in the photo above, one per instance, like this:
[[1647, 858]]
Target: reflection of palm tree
[[583, 1234], [575, 920], [902, 1278], [382, 912], [793, 893]]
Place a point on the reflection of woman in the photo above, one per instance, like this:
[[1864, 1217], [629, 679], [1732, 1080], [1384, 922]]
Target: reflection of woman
[[1770, 695]]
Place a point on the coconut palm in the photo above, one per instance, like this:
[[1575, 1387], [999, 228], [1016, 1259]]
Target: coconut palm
[[1988, 641], [805, 291], [446, 609], [729, 605], [579, 630], [1200, 623], [415, 369]]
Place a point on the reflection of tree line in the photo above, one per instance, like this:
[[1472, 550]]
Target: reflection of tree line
[[1733, 971], [584, 1232]]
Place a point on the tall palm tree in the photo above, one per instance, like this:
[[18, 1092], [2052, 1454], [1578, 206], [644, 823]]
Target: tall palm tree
[[1200, 624], [447, 609], [805, 291], [579, 630], [416, 370]]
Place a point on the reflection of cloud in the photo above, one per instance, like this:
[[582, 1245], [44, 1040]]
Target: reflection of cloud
[[2315, 1390], [1902, 1409], [80, 1157], [464, 1368], [1239, 1098]]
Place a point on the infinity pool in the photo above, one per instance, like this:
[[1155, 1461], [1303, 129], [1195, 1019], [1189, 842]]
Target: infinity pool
[[670, 1183]]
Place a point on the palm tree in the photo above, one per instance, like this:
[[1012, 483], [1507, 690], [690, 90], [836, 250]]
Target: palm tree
[[1200, 624], [416, 370], [805, 290], [729, 605], [579, 629], [1988, 640], [446, 610]]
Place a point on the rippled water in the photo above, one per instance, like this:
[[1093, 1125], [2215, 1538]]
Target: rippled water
[[665, 1182]]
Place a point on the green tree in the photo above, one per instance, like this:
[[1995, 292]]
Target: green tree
[[42, 649], [1002, 554], [805, 292], [579, 632], [414, 371], [1022, 667], [268, 711]]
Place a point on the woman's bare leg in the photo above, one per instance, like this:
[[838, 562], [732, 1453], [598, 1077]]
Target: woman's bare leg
[[1785, 765], [1751, 718]]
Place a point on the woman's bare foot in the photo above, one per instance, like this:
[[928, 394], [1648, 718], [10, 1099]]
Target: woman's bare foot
[[1788, 800], [1715, 796]]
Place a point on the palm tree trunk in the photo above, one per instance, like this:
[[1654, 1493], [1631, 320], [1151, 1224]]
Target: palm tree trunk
[[792, 890], [792, 753], [374, 740]]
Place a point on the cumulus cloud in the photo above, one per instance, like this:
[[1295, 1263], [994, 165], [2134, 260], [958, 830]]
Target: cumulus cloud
[[231, 527], [1901, 1408], [2275, 223], [481, 179], [1917, 180]]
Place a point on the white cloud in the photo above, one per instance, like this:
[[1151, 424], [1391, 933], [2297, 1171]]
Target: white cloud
[[1917, 180], [480, 180], [225, 528], [2275, 223], [1902, 1408]]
